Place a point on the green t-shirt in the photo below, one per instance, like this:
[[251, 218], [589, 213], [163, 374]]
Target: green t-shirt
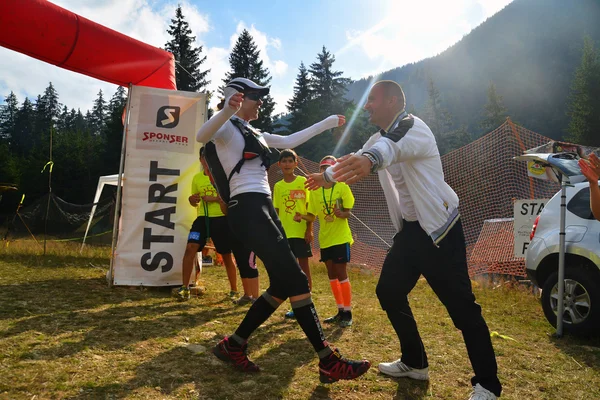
[[290, 198], [333, 230], [201, 185]]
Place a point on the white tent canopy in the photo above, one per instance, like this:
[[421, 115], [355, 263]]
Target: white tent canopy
[[104, 180]]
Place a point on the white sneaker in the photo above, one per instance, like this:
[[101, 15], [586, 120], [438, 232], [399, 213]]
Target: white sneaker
[[398, 369], [481, 393]]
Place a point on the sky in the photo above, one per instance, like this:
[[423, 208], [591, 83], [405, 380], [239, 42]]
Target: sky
[[366, 38]]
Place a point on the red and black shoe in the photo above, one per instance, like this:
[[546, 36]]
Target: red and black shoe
[[335, 367], [236, 355]]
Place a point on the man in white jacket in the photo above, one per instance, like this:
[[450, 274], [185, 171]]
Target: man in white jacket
[[429, 242]]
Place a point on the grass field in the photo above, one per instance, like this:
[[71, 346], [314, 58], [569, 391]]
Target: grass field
[[65, 335]]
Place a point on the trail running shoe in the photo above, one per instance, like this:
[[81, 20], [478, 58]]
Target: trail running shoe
[[481, 393], [346, 319], [237, 355], [243, 300], [398, 369], [233, 293], [183, 294], [290, 314], [335, 319], [335, 367]]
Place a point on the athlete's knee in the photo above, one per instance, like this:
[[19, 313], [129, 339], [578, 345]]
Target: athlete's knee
[[246, 272], [466, 315], [191, 249], [387, 295]]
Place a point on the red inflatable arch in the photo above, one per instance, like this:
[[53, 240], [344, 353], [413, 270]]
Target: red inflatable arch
[[57, 36]]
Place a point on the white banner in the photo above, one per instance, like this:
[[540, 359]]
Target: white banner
[[525, 212], [161, 160]]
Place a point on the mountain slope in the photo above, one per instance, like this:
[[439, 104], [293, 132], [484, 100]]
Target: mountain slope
[[530, 50]]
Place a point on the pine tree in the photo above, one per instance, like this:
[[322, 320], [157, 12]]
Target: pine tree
[[114, 131], [80, 123], [494, 111], [584, 100], [8, 115], [22, 140], [437, 118], [328, 86], [299, 105], [47, 113], [327, 89], [188, 58], [245, 62], [454, 140], [98, 114]]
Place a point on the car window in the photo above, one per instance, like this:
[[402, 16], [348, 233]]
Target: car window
[[580, 204]]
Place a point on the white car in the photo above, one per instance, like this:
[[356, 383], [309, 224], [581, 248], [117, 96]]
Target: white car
[[582, 261]]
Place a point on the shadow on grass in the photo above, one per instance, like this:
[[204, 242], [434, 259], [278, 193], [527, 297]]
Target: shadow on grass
[[584, 350], [112, 328], [213, 378], [60, 295], [410, 389]]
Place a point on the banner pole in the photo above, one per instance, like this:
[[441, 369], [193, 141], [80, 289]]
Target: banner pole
[[49, 194], [119, 190]]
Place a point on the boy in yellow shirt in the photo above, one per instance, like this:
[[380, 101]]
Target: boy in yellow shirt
[[332, 205], [290, 199]]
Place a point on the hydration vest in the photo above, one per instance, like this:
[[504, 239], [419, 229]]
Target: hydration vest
[[254, 147]]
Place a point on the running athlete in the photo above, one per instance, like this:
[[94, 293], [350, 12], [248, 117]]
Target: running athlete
[[332, 204], [253, 219], [290, 199]]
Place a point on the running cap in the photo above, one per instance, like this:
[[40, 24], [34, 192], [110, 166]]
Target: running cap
[[243, 85]]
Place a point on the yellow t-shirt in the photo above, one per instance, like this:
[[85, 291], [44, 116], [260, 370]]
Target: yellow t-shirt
[[201, 184], [334, 232], [290, 198]]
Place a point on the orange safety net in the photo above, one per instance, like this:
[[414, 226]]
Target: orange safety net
[[487, 181], [57, 36]]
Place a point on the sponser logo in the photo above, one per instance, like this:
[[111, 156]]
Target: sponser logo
[[168, 116], [165, 138]]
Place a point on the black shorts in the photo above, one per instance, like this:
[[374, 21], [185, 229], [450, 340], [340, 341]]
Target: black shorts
[[218, 230], [255, 223], [300, 248], [339, 253]]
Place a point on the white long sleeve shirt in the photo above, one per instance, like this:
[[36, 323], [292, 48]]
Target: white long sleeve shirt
[[411, 175], [230, 146]]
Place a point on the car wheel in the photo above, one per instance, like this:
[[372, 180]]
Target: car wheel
[[582, 301]]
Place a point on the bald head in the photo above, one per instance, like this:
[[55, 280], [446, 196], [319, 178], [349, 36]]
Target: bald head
[[392, 89], [385, 101]]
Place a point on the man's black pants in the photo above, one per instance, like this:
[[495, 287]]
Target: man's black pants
[[445, 267]]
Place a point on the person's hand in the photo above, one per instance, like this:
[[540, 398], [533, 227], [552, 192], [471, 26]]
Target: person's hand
[[341, 120], [222, 206], [235, 101], [351, 169], [314, 181], [194, 199], [210, 199], [595, 163], [590, 168], [308, 236], [298, 217], [337, 212], [343, 158]]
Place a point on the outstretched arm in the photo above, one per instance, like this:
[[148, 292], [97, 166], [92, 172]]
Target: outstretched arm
[[208, 130], [296, 139], [591, 170]]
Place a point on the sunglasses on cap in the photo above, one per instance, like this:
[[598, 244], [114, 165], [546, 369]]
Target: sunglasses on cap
[[254, 96]]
